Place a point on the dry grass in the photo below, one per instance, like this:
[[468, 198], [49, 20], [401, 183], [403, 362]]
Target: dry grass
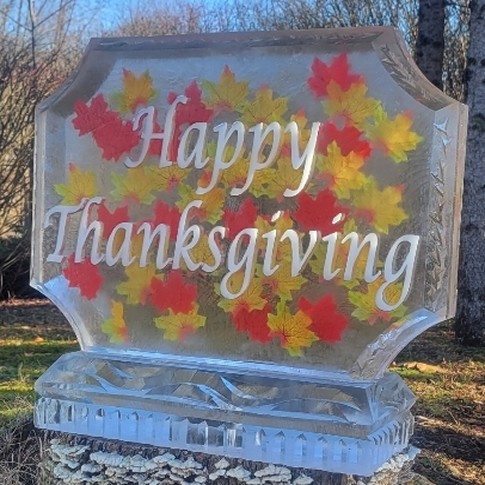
[[20, 450]]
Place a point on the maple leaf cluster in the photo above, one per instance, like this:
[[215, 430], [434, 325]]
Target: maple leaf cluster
[[340, 197]]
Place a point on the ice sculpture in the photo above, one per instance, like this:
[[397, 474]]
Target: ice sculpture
[[244, 230]]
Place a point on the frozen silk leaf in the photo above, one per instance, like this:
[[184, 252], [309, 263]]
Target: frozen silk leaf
[[211, 209], [318, 213], [327, 322], [178, 326], [226, 95], [115, 327], [83, 275], [265, 108], [394, 135], [281, 178], [167, 215], [80, 184], [254, 323], [338, 71], [281, 284], [114, 136], [135, 186], [251, 299], [193, 111], [349, 139], [111, 219], [341, 172], [353, 105], [366, 309], [173, 293], [293, 331], [235, 220], [90, 117], [137, 91], [166, 179], [137, 287], [379, 208]]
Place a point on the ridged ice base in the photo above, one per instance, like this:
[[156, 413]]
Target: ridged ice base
[[350, 427]]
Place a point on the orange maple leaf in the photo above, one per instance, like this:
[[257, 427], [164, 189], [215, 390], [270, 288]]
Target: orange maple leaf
[[137, 91], [115, 326]]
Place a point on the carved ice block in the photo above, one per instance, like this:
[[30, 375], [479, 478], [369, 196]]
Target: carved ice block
[[244, 230]]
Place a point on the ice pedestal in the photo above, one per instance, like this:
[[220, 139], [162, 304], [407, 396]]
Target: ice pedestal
[[321, 421]]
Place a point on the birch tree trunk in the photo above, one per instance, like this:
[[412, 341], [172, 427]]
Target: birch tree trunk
[[430, 43], [470, 321]]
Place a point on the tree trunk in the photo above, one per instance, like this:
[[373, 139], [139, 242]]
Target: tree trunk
[[470, 321], [430, 44]]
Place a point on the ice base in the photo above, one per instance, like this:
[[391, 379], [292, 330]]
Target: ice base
[[274, 414]]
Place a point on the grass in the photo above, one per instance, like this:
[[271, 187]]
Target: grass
[[448, 380]]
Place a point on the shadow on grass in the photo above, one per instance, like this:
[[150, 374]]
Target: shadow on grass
[[438, 473], [438, 345], [451, 443], [30, 312]]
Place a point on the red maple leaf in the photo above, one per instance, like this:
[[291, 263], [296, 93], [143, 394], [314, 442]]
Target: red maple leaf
[[93, 116], [327, 323], [155, 147], [254, 322], [318, 214], [337, 71], [116, 139], [166, 214], [111, 219], [112, 135], [83, 275], [174, 293], [241, 218], [348, 139], [193, 111]]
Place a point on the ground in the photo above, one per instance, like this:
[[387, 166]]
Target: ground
[[448, 380]]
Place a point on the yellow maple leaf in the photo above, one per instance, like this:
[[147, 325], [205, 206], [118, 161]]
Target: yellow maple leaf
[[341, 172], [353, 104], [304, 134], [137, 91], [80, 184], [137, 287], [365, 303], [135, 186], [115, 326], [177, 326], [283, 254], [226, 95], [251, 299], [264, 109], [395, 135], [281, 283], [281, 178], [380, 208], [201, 253], [166, 179], [292, 330], [236, 175], [212, 203]]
